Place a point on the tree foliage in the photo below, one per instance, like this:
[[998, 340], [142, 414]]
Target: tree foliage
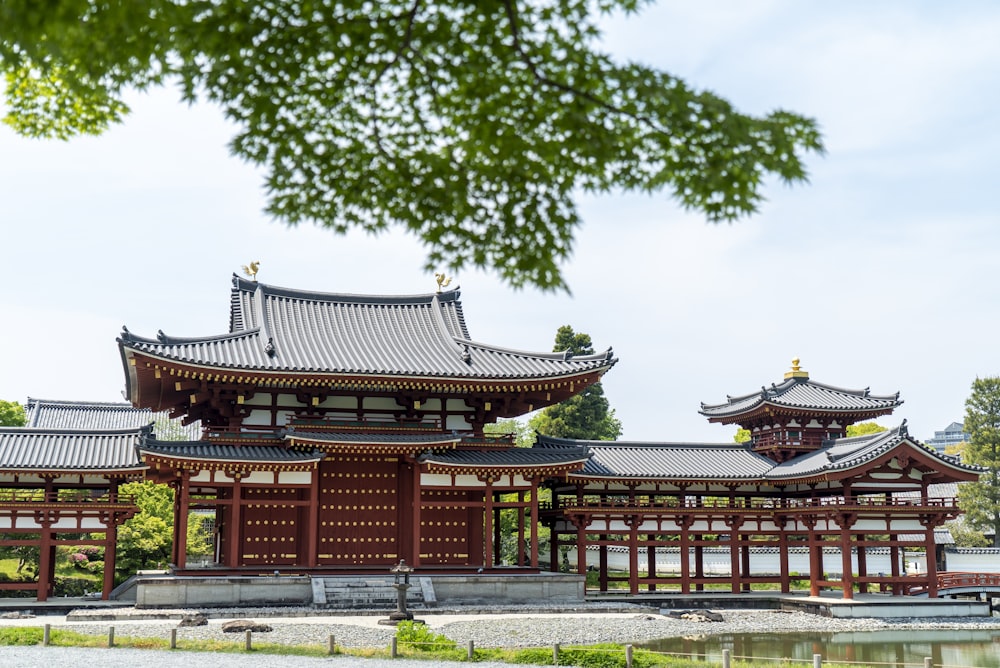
[[12, 414], [742, 435], [471, 125], [587, 415], [864, 428], [146, 540], [524, 435], [981, 500]]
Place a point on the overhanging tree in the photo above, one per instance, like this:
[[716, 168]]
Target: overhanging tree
[[471, 125], [587, 415], [981, 500]]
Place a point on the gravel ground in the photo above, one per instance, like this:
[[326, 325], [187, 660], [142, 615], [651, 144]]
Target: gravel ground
[[485, 628]]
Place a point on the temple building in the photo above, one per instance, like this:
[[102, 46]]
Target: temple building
[[798, 482], [346, 432], [332, 434]]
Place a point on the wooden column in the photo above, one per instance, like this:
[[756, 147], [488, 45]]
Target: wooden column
[[602, 563], [581, 544], [110, 542], [651, 561], [312, 519], [684, 522], [847, 570], [488, 529], [894, 553], [931, 559], [734, 553], [534, 522], [745, 561], [415, 533], [815, 558], [784, 570], [233, 547], [46, 558], [182, 504], [633, 554], [521, 561], [862, 564]]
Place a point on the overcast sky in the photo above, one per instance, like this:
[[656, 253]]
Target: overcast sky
[[880, 273]]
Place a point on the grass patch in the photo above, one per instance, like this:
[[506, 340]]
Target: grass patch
[[414, 641]]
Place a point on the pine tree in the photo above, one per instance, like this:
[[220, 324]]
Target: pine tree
[[587, 415], [981, 500]]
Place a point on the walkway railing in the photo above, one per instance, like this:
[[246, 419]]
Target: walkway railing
[[958, 580]]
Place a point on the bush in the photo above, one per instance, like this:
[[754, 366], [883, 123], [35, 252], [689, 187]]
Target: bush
[[95, 567], [422, 638], [73, 587], [78, 559]]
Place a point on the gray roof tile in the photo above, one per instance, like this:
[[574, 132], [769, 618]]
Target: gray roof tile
[[806, 394], [203, 450], [102, 415], [514, 457], [360, 438], [621, 459], [279, 329], [65, 449]]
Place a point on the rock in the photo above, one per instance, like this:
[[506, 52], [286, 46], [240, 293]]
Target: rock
[[17, 615], [243, 625], [700, 616], [196, 619]]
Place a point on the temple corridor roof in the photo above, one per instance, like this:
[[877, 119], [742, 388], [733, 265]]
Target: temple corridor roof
[[23, 449]]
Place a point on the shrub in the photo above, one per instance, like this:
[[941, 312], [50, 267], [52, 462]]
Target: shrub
[[78, 559], [422, 638], [74, 587], [95, 567]]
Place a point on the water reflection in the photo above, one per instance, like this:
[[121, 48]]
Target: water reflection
[[900, 649]]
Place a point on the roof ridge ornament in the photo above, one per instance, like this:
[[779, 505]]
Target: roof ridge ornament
[[442, 281], [251, 270], [796, 371]]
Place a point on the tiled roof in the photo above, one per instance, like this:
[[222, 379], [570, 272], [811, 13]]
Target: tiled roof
[[805, 394], [102, 415], [203, 450], [847, 453], [283, 330], [67, 449], [728, 461], [515, 457], [620, 459]]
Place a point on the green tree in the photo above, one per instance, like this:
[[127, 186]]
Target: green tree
[[470, 124], [587, 415], [864, 428], [966, 536], [12, 414], [524, 435], [146, 540], [981, 500], [742, 435]]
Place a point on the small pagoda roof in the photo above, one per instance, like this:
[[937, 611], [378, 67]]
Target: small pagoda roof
[[797, 392], [280, 330], [28, 449], [848, 453], [689, 461], [218, 452]]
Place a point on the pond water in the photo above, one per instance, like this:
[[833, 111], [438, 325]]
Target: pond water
[[899, 649]]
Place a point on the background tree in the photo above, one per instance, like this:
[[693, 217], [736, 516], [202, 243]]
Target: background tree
[[524, 435], [742, 435], [12, 414], [864, 428], [587, 415], [981, 500], [470, 124]]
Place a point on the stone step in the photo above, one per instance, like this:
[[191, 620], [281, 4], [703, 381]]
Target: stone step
[[356, 593]]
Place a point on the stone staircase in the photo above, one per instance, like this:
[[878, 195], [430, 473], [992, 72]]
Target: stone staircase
[[368, 593]]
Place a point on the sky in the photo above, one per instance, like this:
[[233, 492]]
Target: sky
[[880, 272]]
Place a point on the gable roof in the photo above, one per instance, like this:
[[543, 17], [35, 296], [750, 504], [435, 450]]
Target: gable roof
[[275, 329]]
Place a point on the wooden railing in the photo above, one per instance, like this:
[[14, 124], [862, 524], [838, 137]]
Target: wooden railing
[[773, 505], [61, 497], [959, 580]]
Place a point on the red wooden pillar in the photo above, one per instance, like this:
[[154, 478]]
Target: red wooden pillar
[[862, 565], [46, 565], [736, 580], [233, 550], [930, 552], [684, 522], [633, 554], [312, 519], [651, 560], [815, 557], [847, 570], [110, 541], [581, 545], [534, 522], [415, 533], [488, 529], [897, 589], [182, 504], [784, 570]]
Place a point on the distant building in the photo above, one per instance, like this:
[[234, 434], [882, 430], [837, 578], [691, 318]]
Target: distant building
[[951, 435]]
